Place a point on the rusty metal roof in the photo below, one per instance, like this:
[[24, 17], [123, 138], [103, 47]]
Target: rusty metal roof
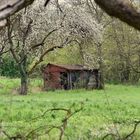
[[71, 67]]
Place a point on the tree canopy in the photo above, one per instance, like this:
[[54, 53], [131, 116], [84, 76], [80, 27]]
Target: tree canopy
[[122, 9]]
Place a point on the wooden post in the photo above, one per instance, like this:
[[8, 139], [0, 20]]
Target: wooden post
[[69, 80]]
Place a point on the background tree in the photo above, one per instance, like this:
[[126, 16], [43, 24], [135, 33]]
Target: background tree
[[87, 23], [122, 53]]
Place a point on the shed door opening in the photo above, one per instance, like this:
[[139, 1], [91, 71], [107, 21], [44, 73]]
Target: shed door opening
[[64, 80]]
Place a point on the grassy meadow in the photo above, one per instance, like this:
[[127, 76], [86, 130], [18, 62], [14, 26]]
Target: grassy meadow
[[110, 111]]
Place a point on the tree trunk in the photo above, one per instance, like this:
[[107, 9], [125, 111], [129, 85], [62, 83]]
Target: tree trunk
[[100, 80], [23, 74], [24, 84], [100, 74]]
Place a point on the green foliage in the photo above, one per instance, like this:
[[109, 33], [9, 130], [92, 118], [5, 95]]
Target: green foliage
[[68, 55], [8, 67], [121, 54], [110, 110]]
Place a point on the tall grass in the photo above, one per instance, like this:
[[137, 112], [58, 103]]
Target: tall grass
[[112, 110]]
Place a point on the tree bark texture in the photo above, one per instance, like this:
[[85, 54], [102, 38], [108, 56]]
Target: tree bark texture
[[122, 9], [9, 7]]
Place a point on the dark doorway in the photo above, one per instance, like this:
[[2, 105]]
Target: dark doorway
[[64, 80]]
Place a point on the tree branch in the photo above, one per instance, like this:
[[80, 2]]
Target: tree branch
[[9, 34], [46, 3], [122, 9], [46, 52], [9, 7], [43, 40], [133, 131]]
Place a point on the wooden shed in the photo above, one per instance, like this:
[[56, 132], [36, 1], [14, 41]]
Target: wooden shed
[[69, 77]]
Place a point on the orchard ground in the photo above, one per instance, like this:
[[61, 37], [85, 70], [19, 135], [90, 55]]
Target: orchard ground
[[110, 111]]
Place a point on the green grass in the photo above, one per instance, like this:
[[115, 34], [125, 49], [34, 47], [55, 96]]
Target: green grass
[[112, 110]]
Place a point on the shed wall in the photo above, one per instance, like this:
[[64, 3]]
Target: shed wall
[[52, 77]]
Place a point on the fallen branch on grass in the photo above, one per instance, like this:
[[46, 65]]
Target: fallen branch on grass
[[133, 131], [62, 127], [107, 135], [69, 113], [127, 137]]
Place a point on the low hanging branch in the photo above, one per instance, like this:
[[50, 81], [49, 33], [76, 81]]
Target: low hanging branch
[[9, 7], [122, 9]]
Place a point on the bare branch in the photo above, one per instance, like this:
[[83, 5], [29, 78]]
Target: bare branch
[[9, 32], [133, 131], [46, 52], [43, 40], [46, 3]]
